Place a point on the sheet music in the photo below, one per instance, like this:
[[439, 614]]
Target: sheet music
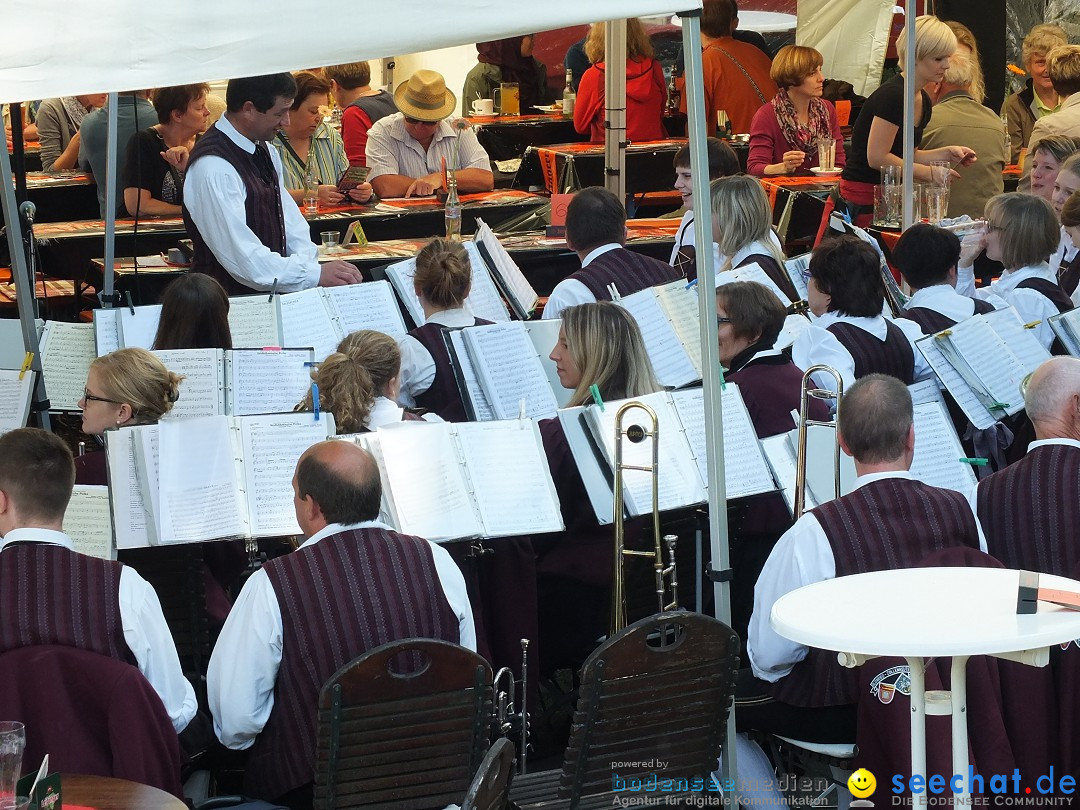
[[752, 272], [544, 335], [1021, 342], [670, 362], [509, 370], [429, 491], [988, 356], [106, 331], [88, 521], [370, 305], [782, 462], [267, 381], [200, 489], [969, 403], [401, 275], [508, 472], [130, 516], [938, 451], [67, 350], [15, 395], [1066, 326], [202, 391], [518, 286], [745, 469], [820, 467], [253, 322], [145, 442], [795, 268], [473, 390], [681, 305], [484, 300], [370, 442], [925, 391], [305, 321], [138, 330], [272, 445]]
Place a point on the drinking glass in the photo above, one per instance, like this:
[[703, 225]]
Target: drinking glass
[[826, 150], [311, 201], [935, 203], [892, 175], [509, 99], [12, 743], [887, 206], [940, 172], [330, 241]]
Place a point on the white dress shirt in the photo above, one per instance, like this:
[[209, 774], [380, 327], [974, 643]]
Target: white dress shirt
[[387, 412], [1065, 253], [244, 665], [764, 247], [685, 236], [801, 557], [417, 365], [392, 150], [214, 195], [145, 631], [1031, 304], [818, 345], [570, 292], [945, 300]]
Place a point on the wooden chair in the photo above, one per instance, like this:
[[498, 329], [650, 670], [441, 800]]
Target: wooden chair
[[490, 788], [403, 726], [659, 690]]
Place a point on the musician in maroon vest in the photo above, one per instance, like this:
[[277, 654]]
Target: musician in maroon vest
[[1021, 232], [926, 257], [247, 231], [442, 283], [596, 231], [51, 594], [353, 585], [888, 521], [847, 294], [1031, 509]]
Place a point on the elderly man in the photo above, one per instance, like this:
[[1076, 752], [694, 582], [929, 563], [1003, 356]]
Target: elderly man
[[352, 586], [596, 231], [901, 521], [1031, 508], [248, 232], [51, 594], [406, 151]]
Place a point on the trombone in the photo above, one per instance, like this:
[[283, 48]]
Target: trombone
[[663, 574], [809, 390]]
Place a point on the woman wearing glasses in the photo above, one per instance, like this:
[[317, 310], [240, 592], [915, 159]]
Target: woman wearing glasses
[[126, 387]]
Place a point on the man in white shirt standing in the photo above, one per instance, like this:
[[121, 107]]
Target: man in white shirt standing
[[353, 585], [248, 232], [51, 594]]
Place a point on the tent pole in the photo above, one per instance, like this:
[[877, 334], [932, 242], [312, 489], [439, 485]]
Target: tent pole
[[24, 289], [910, 13], [615, 101], [710, 350], [111, 181]]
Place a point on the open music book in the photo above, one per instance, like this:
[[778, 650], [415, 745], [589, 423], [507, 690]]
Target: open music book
[[498, 365], [483, 302], [88, 521], [668, 318], [322, 316], [1066, 326], [239, 382], [189, 480], [516, 289], [253, 323], [683, 474], [795, 268], [67, 350], [752, 272], [15, 396], [12, 348], [446, 481]]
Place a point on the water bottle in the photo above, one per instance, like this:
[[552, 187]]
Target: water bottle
[[1008, 140], [452, 209]]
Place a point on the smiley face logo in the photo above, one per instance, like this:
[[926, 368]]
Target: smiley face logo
[[862, 784]]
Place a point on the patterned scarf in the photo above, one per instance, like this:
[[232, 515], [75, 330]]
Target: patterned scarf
[[799, 136], [75, 112]]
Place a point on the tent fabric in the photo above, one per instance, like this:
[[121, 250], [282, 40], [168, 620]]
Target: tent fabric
[[852, 35], [97, 46]]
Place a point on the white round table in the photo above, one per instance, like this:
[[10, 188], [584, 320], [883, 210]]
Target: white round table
[[919, 613]]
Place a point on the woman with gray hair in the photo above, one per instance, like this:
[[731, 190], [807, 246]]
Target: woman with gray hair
[[1038, 98]]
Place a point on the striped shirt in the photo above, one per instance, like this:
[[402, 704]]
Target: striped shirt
[[391, 150], [326, 159]]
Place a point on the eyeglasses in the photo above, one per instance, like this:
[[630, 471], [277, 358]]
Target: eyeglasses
[[990, 227], [87, 396]]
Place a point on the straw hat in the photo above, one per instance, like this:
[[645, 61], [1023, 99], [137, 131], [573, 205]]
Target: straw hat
[[425, 97]]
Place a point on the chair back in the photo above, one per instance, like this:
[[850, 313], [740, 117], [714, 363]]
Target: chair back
[[660, 689], [405, 725], [91, 714], [490, 788]]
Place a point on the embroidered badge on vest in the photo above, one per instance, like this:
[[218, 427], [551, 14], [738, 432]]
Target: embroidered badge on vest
[[886, 684]]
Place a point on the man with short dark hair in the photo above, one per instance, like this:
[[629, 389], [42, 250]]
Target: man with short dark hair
[[51, 594], [899, 522], [361, 106], [353, 585], [596, 231], [248, 232]]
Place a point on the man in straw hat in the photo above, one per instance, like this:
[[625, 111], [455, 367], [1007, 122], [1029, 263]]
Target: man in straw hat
[[406, 151]]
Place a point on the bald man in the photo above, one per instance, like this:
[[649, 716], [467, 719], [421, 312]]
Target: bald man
[[1030, 509], [353, 585]]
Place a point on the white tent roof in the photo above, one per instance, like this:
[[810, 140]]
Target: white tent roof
[[95, 46]]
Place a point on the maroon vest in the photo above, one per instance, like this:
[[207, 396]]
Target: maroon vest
[[627, 270], [774, 271], [443, 397], [344, 595], [1050, 290], [1069, 276], [262, 206], [1030, 511], [51, 595], [893, 355], [375, 107], [931, 321], [771, 388], [886, 524]]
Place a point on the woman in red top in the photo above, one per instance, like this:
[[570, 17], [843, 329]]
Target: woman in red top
[[646, 92]]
